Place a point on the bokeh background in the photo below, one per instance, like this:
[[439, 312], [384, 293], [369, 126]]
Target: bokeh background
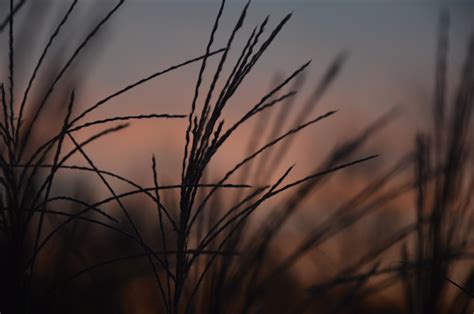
[[388, 53]]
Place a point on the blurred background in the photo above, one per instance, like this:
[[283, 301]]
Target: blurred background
[[382, 58]]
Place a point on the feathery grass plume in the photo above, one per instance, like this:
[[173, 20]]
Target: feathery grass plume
[[205, 135], [30, 162]]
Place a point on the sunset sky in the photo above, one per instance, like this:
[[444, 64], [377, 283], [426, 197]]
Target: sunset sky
[[391, 48]]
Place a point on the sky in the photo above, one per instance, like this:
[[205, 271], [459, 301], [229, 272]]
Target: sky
[[390, 47]]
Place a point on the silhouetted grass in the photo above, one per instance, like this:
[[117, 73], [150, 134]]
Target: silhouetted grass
[[198, 252]]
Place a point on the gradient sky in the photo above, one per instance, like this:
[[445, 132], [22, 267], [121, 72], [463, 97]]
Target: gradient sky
[[391, 47]]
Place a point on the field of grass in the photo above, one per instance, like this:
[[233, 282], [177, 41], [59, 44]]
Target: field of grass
[[192, 245]]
